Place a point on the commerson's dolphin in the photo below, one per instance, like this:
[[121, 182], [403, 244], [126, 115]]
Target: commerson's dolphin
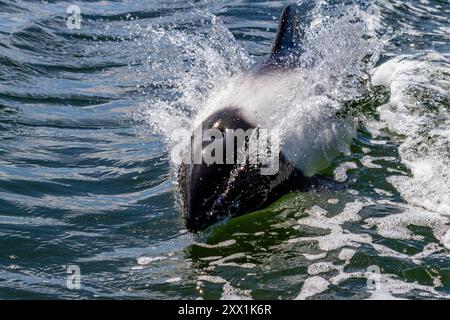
[[211, 192]]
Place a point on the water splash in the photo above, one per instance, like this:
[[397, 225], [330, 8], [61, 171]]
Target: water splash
[[193, 65], [203, 73]]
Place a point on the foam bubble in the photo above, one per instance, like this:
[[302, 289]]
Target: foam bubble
[[227, 243], [173, 280], [313, 286], [212, 279], [320, 267], [143, 261], [226, 261], [232, 293], [313, 257], [340, 173], [388, 286], [446, 240], [383, 192], [396, 226], [346, 254]]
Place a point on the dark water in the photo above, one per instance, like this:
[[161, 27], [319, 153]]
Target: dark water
[[86, 180]]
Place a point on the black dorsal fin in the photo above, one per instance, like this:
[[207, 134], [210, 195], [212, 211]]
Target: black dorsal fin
[[288, 35]]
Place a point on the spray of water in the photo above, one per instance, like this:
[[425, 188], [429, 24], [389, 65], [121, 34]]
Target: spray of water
[[198, 73]]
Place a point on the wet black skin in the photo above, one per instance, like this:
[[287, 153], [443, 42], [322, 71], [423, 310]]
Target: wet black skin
[[211, 193]]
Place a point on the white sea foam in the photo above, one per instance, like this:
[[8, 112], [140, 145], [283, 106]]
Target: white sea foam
[[446, 240], [320, 267], [395, 226], [313, 257], [232, 293], [418, 111], [346, 254], [337, 237], [173, 280], [212, 279], [227, 243], [313, 286], [340, 173], [333, 201], [143, 261]]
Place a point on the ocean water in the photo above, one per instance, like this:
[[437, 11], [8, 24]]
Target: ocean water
[[88, 181]]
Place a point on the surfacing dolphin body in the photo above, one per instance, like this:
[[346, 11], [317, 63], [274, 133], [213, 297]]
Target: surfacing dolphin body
[[213, 192]]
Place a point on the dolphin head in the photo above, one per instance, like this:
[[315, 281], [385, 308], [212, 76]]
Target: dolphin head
[[227, 187]]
